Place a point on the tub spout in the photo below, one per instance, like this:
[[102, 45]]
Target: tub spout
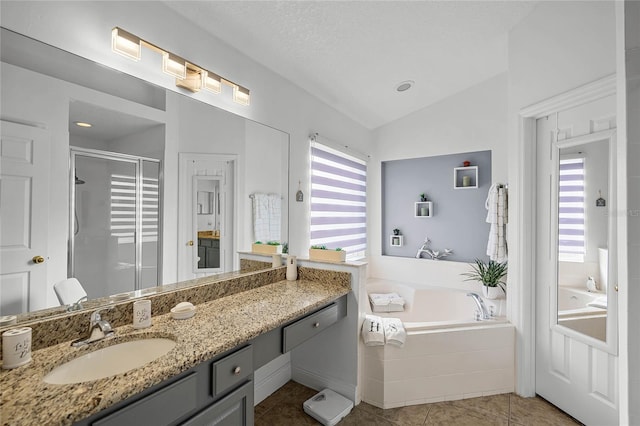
[[484, 312]]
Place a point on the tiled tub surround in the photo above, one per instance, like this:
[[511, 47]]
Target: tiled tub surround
[[447, 355], [219, 325]]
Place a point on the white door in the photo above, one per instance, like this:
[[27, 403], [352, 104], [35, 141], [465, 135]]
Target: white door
[[572, 371], [24, 206], [223, 168]]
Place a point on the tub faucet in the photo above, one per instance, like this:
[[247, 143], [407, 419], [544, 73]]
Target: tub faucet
[[423, 248], [98, 329], [484, 312]]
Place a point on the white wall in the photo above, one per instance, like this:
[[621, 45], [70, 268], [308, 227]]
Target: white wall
[[84, 28], [266, 163], [629, 43], [472, 120]]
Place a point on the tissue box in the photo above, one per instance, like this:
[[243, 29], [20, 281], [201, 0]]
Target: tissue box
[[328, 407]]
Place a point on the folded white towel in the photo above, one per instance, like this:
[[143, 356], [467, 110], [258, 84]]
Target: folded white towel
[[386, 302], [600, 302], [394, 332], [373, 331]]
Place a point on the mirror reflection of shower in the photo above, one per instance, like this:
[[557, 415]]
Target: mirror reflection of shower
[[115, 198], [76, 224]]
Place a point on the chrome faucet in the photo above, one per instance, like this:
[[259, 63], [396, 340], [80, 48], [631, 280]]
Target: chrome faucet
[[423, 248], [484, 312], [98, 329], [76, 306]]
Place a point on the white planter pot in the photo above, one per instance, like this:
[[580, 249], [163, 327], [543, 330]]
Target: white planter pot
[[492, 292]]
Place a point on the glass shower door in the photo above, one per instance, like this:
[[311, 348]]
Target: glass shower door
[[116, 215]]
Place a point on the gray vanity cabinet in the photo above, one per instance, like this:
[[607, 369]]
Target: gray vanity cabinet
[[218, 391], [233, 410]]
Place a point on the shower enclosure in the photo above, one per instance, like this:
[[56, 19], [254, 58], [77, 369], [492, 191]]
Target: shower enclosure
[[115, 233]]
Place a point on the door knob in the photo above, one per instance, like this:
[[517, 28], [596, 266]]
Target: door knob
[[190, 242], [38, 259]]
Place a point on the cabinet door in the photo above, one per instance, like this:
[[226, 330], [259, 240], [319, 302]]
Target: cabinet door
[[234, 410], [202, 253], [213, 257]]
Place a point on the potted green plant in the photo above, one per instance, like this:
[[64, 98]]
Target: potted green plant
[[491, 275], [271, 247], [323, 254]]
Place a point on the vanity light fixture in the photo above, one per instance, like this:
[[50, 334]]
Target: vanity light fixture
[[241, 95], [187, 74], [174, 65], [211, 81], [125, 44]]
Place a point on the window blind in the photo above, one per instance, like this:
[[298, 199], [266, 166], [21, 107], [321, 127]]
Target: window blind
[[571, 226], [123, 208], [338, 201]]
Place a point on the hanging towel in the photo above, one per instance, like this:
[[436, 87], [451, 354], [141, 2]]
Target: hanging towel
[[394, 332], [497, 213], [386, 302], [267, 217], [373, 331], [261, 218], [275, 216]]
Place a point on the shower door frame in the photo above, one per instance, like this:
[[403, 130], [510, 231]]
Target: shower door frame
[[137, 161]]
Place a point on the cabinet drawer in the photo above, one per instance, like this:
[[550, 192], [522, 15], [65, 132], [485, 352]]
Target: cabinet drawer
[[162, 407], [232, 370], [204, 242], [235, 409], [307, 327]]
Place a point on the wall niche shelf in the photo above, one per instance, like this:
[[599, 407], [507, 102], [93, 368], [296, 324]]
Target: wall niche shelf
[[396, 240], [423, 209], [465, 177]]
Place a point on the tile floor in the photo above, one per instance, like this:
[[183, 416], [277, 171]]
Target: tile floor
[[284, 408]]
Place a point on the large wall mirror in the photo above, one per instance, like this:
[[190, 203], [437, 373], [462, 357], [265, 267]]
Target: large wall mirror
[[584, 303], [107, 201]]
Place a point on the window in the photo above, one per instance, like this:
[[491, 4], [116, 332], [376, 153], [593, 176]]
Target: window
[[338, 201], [571, 235], [123, 209]]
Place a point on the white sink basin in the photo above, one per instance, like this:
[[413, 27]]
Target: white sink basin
[[109, 361]]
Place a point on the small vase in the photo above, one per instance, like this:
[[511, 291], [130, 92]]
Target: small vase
[[492, 293]]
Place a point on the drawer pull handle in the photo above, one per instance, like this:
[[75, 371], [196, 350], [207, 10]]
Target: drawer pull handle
[[316, 325], [236, 371]]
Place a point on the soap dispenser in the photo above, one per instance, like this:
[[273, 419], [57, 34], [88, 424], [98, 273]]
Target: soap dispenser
[[292, 268]]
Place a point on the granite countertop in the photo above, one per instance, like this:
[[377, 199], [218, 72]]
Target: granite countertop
[[219, 325]]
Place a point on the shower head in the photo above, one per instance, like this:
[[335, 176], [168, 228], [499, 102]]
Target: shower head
[[79, 181]]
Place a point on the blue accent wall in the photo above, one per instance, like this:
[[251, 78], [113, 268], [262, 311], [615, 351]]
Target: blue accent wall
[[458, 217]]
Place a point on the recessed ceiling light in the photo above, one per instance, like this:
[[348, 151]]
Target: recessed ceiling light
[[405, 85], [82, 124]]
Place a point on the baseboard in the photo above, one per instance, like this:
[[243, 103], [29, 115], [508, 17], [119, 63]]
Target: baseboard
[[317, 382], [270, 378]]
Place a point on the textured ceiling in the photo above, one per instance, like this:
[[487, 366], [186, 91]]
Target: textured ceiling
[[352, 54]]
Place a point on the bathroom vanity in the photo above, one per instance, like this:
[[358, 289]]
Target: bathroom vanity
[[207, 377], [220, 390]]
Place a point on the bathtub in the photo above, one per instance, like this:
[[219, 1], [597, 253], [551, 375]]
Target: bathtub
[[447, 355], [574, 311]]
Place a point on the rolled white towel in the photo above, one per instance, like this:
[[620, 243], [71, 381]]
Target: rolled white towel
[[394, 332], [373, 331]]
